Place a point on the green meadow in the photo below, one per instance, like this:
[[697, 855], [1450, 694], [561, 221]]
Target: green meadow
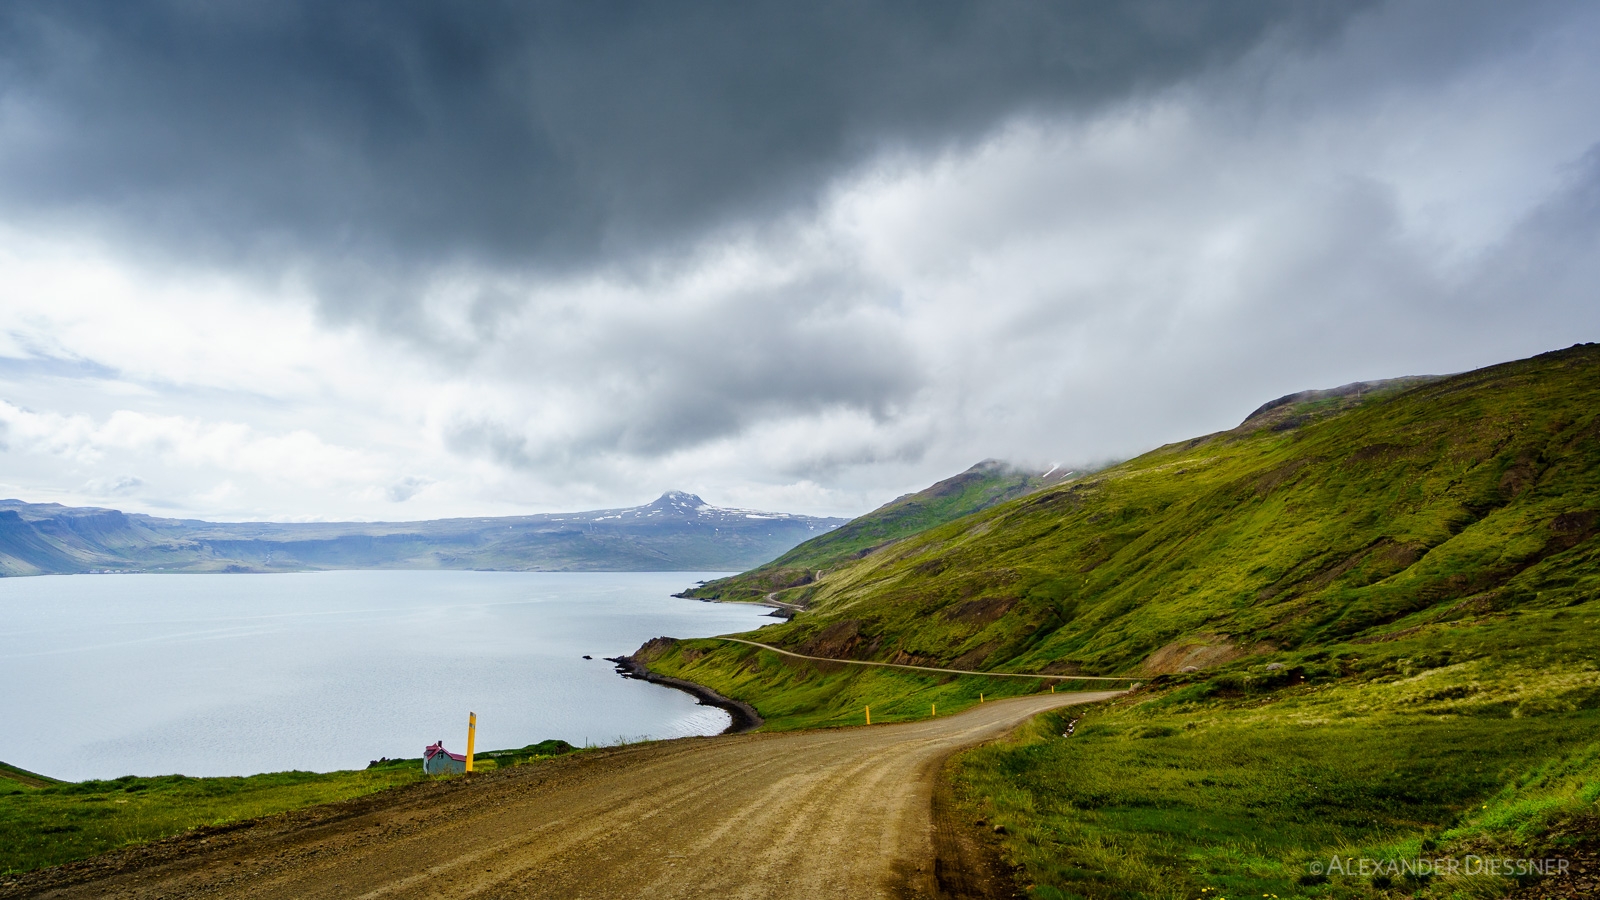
[[1244, 783]]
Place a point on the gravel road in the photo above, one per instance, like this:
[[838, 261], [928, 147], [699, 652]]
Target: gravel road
[[848, 812]]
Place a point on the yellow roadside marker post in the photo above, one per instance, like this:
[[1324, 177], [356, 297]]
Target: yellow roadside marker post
[[934, 712], [980, 698], [1052, 689], [869, 715], [472, 736]]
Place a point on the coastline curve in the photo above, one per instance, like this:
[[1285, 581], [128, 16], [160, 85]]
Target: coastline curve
[[744, 716]]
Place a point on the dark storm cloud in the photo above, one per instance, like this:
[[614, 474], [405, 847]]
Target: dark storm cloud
[[834, 251], [534, 134]]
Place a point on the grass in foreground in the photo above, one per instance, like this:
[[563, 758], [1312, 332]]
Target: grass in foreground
[[1242, 783], [1163, 806], [58, 822], [63, 822]]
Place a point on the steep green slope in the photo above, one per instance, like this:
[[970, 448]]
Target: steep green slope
[[790, 576], [24, 777], [1452, 499]]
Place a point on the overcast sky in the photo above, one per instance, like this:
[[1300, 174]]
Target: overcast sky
[[388, 260]]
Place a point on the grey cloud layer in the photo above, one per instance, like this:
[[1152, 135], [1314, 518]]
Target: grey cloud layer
[[840, 249], [660, 368], [537, 134]]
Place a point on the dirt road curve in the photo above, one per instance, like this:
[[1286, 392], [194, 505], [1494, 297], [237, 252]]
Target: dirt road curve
[[810, 815]]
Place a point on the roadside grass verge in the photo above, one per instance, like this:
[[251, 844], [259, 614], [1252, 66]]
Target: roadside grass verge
[[1133, 806], [64, 821], [1221, 788], [502, 759]]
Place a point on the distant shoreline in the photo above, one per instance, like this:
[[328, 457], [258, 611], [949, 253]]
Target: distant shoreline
[[744, 716]]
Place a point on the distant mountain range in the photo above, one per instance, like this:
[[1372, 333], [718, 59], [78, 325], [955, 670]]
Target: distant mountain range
[[677, 532]]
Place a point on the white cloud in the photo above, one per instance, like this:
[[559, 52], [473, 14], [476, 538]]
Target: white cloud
[[67, 436], [299, 457], [117, 486]]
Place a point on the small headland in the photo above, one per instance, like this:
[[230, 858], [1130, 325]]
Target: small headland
[[744, 716]]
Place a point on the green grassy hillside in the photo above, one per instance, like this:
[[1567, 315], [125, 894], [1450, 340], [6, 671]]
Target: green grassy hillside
[[23, 777], [1367, 623], [791, 577], [1458, 498]]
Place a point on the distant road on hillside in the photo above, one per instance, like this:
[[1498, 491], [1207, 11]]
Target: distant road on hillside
[[887, 665]]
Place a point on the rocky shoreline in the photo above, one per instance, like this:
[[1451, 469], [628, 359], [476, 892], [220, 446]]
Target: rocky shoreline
[[745, 718]]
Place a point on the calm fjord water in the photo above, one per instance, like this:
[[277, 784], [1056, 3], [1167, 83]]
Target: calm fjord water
[[108, 675]]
